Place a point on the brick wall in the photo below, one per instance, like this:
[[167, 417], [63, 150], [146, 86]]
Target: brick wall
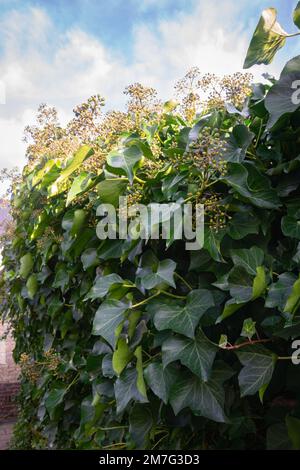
[[9, 374]]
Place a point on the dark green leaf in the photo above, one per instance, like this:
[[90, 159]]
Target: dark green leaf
[[258, 368], [197, 354]]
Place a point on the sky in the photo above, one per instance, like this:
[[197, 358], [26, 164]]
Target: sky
[[60, 52]]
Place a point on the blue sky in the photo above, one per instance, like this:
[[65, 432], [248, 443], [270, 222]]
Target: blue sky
[[62, 51]]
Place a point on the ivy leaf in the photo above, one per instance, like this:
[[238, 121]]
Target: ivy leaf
[[54, 398], [102, 285], [108, 317], [197, 354], [163, 272], [80, 156], [279, 101], [140, 373], [203, 398], [62, 278], [89, 258], [73, 221], [140, 423], [32, 286], [296, 15], [277, 437], [267, 39], [248, 330], [249, 259], [259, 283], [212, 243], [280, 291], [247, 181], [126, 390], [183, 319], [293, 427], [258, 368], [240, 139], [81, 184], [293, 299], [240, 284], [243, 224], [121, 356], [161, 379], [125, 160], [110, 190], [290, 227], [26, 265]]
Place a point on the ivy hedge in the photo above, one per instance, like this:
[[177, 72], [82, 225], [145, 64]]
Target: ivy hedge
[[130, 344]]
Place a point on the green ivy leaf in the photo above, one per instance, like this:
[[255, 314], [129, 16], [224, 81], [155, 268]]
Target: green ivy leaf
[[278, 101], [161, 379], [293, 427], [212, 243], [26, 265], [80, 156], [104, 284], [258, 368], [126, 390], [292, 302], [54, 398], [243, 224], [32, 286], [108, 317], [238, 143], [81, 184], [158, 274], [240, 284], [110, 190], [62, 277], [125, 160], [197, 354], [247, 181], [280, 291], [140, 373], [290, 227], [296, 15], [183, 319], [249, 259], [259, 283], [203, 398], [73, 221], [140, 423], [277, 437], [267, 39], [121, 356], [248, 330], [89, 258]]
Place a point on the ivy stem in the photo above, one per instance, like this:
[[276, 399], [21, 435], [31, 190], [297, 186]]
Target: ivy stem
[[114, 427], [184, 281], [246, 343], [139, 180], [117, 444], [139, 304], [76, 378], [284, 358], [292, 35], [160, 440], [151, 358], [174, 296], [259, 134]]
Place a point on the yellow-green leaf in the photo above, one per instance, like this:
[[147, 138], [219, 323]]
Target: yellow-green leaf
[[267, 39], [121, 356]]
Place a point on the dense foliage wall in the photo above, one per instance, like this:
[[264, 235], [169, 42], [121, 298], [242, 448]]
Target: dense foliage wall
[[135, 344]]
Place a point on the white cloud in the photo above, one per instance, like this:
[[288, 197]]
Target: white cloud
[[39, 64]]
